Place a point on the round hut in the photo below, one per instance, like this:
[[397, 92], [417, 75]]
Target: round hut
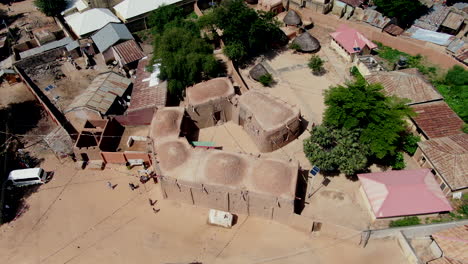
[[307, 43], [292, 18], [258, 71]]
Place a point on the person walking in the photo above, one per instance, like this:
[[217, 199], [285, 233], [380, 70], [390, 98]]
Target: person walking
[[109, 184]]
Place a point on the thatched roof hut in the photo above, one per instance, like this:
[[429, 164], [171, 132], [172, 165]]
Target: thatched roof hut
[[258, 71], [292, 18], [307, 43]]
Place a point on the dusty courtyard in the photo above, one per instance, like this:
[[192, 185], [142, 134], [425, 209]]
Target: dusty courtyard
[[76, 218]]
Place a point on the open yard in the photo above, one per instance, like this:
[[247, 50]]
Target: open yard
[[76, 218]]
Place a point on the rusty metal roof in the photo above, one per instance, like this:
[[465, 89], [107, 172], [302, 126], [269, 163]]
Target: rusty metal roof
[[437, 119], [128, 52], [147, 94]]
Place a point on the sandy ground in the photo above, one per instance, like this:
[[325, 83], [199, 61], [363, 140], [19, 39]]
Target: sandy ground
[[15, 93], [76, 218]]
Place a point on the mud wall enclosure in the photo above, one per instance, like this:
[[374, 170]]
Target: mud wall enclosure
[[234, 182], [269, 121]]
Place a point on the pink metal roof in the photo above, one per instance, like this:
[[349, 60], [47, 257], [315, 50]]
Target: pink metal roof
[[349, 38], [401, 193]]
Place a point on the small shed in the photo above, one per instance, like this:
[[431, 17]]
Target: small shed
[[258, 71], [292, 19], [307, 42]]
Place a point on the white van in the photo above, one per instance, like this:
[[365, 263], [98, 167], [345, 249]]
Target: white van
[[25, 177]]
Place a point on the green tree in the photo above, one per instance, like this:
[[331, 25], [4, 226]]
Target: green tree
[[406, 11], [51, 7], [316, 64], [454, 88], [245, 31], [336, 150], [160, 17], [360, 105], [185, 59], [410, 143]]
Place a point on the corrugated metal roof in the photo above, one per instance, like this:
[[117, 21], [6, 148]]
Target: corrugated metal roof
[[455, 45], [111, 34], [131, 8], [406, 84], [375, 18], [73, 45], [128, 51], [90, 20], [449, 156], [101, 93], [437, 119], [453, 21], [144, 94], [433, 19], [46, 47], [430, 36], [454, 243]]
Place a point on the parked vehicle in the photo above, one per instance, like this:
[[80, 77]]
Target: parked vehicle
[[25, 177]]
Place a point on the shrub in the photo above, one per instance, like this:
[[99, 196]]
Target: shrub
[[399, 162], [463, 209], [410, 143], [266, 79], [406, 221], [316, 64], [295, 46]]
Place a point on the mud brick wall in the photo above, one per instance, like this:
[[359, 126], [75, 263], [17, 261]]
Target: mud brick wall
[[228, 199], [41, 59], [204, 114]]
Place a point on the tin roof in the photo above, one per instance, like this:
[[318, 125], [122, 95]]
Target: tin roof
[[403, 192], [111, 34], [437, 119], [449, 156], [453, 21], [90, 20], [408, 83], [454, 243], [101, 93], [46, 47], [147, 92], [132, 8], [128, 51]]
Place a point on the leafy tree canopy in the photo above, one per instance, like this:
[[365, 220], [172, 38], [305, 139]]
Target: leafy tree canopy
[[336, 150], [406, 11], [363, 106], [454, 88], [184, 57], [51, 7], [160, 17], [249, 31]]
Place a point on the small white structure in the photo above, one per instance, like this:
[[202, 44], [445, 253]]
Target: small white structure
[[27, 177], [90, 20], [220, 218]]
